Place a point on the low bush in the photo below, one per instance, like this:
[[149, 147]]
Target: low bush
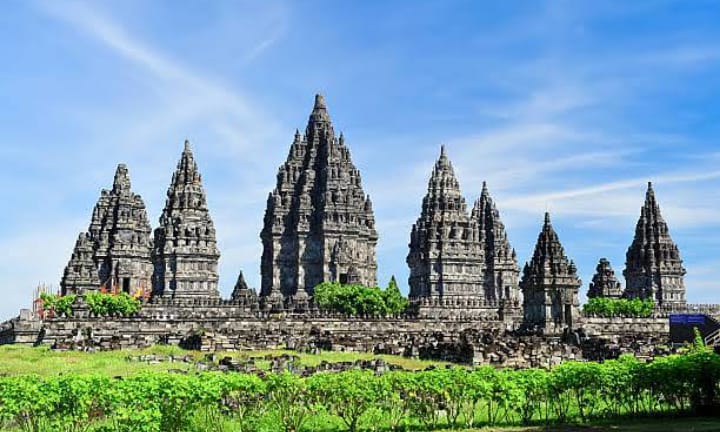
[[360, 400], [360, 300], [61, 305], [102, 304], [612, 307]]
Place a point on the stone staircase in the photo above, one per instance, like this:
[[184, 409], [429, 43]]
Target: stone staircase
[[713, 339]]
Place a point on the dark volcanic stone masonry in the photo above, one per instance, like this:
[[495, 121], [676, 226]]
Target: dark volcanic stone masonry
[[185, 253], [446, 258], [550, 284], [119, 235], [319, 223], [501, 267], [653, 267], [604, 283]]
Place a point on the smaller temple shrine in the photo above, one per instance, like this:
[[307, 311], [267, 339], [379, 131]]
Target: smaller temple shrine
[[653, 267], [604, 283], [550, 285]]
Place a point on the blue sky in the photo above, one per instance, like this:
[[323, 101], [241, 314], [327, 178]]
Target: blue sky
[[566, 105]]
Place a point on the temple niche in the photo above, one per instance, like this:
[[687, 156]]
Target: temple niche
[[604, 283], [119, 237], [550, 285], [446, 259], [653, 267], [185, 255], [319, 224]]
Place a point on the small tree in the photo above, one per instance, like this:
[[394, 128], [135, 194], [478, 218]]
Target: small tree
[[394, 300]]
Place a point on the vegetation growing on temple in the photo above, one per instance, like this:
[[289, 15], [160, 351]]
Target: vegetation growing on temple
[[613, 307], [61, 305], [102, 304], [360, 300]]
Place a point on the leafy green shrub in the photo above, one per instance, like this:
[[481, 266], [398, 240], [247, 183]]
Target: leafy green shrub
[[348, 395], [360, 300], [61, 305], [612, 307], [290, 397], [103, 304], [213, 401]]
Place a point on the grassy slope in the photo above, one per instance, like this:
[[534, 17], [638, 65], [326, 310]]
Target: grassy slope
[[17, 360]]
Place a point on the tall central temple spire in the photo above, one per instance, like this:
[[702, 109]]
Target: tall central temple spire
[[319, 224], [653, 267]]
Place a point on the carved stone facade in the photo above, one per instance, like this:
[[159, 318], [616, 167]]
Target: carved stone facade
[[242, 293], [653, 267], [446, 258], [550, 284], [319, 224], [185, 254], [120, 237], [604, 283], [81, 273], [501, 268]]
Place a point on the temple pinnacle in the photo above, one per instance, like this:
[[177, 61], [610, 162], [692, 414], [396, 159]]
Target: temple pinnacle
[[319, 102]]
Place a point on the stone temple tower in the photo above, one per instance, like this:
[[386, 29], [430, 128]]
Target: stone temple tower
[[81, 274], [446, 258], [319, 224], [653, 268], [604, 283], [501, 268], [119, 236], [185, 254], [550, 284]]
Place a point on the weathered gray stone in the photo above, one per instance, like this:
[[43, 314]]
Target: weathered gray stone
[[653, 267], [550, 285], [185, 254], [604, 283], [319, 224], [501, 267], [446, 259], [119, 235]]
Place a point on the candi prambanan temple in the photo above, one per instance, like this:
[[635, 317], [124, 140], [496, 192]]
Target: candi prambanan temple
[[470, 300]]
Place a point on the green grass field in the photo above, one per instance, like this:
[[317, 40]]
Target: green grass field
[[19, 360]]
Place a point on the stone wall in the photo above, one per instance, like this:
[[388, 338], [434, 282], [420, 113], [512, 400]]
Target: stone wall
[[222, 325], [23, 329], [618, 326], [218, 325]]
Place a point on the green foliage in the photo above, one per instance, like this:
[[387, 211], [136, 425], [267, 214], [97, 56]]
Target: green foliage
[[394, 300], [348, 395], [360, 300], [103, 304], [574, 392], [611, 307], [292, 400], [61, 305]]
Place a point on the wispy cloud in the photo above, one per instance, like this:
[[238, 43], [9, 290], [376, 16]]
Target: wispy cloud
[[533, 200]]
